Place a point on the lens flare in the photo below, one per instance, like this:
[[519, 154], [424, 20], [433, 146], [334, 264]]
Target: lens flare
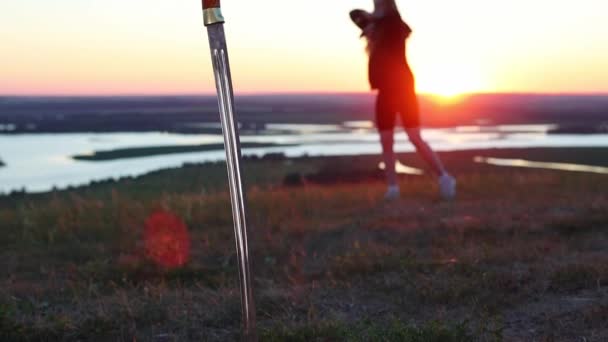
[[166, 239]]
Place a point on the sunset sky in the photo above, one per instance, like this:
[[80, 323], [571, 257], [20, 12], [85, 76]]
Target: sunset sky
[[78, 47]]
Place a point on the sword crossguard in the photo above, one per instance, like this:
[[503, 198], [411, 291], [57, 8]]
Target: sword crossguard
[[212, 12]]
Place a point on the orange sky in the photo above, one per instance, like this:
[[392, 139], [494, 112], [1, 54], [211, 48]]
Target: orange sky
[[159, 46]]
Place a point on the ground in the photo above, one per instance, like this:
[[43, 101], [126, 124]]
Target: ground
[[519, 256]]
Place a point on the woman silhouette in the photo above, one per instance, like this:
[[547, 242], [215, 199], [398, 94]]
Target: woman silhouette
[[391, 75]]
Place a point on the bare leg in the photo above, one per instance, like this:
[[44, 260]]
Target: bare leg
[[425, 151], [387, 139]]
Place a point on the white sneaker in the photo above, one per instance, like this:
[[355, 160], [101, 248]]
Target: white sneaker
[[392, 193], [447, 187]]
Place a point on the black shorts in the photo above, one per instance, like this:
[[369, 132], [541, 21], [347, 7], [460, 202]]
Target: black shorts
[[402, 101]]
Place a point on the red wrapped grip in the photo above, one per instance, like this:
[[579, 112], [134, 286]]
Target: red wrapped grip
[[211, 4]]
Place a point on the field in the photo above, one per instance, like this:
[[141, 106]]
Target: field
[[520, 256]]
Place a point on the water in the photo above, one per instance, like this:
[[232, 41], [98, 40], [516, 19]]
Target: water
[[403, 169], [542, 165], [39, 162]]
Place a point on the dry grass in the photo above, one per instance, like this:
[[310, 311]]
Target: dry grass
[[518, 252]]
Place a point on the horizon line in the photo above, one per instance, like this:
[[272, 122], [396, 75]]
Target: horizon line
[[292, 93]]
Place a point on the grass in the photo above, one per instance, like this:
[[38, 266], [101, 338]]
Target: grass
[[518, 251], [369, 331]]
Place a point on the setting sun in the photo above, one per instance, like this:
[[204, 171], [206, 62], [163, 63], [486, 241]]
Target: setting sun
[[449, 81]]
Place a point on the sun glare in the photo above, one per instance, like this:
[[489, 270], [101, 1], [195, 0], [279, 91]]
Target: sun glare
[[449, 84], [448, 94]]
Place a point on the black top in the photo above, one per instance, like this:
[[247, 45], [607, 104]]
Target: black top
[[388, 67]]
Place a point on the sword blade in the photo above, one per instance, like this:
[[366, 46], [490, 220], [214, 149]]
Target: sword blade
[[223, 82]]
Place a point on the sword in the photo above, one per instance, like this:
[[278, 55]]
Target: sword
[[214, 21]]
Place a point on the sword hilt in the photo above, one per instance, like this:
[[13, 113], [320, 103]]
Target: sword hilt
[[212, 12]]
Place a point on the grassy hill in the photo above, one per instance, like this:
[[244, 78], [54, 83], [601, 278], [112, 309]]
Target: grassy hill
[[519, 256]]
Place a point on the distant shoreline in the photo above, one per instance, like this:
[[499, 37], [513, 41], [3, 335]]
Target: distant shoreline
[[183, 114], [140, 152], [364, 167]]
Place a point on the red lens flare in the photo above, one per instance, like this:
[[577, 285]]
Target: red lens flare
[[166, 239]]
